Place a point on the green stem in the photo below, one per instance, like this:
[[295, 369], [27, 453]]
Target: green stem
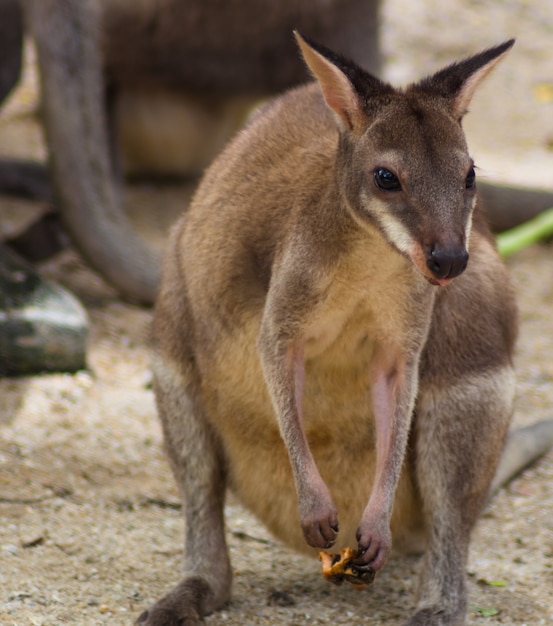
[[540, 227]]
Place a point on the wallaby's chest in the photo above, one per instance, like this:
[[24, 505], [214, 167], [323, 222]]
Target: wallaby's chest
[[373, 297], [368, 300]]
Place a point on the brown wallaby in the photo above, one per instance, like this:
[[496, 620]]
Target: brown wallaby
[[322, 347]]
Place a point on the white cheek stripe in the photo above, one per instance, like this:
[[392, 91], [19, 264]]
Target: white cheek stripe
[[468, 228], [395, 231]]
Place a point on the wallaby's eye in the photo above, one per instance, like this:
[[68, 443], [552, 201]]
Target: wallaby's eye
[[386, 180], [470, 181]]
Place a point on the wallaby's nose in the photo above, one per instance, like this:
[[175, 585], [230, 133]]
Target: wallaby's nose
[[447, 262]]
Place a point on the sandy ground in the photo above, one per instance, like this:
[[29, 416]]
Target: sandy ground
[[90, 529]]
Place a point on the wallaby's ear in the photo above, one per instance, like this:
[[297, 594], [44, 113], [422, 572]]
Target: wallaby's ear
[[346, 87], [458, 82]]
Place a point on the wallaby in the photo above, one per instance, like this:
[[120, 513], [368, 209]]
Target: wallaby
[[322, 347], [159, 87]]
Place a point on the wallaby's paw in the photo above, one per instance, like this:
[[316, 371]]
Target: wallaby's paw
[[181, 607], [319, 519], [320, 530], [374, 543]]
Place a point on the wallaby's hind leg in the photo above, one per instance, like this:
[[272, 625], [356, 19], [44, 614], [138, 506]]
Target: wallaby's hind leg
[[460, 430], [196, 463]]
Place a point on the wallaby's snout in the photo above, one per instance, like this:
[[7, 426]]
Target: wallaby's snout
[[439, 259], [446, 262]]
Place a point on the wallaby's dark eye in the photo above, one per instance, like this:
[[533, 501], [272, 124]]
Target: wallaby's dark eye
[[386, 180], [470, 181]]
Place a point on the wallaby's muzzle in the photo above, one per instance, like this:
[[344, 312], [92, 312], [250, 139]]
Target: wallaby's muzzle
[[439, 262], [447, 262]]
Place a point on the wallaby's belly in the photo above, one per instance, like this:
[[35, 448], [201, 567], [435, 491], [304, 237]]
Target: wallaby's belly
[[338, 424]]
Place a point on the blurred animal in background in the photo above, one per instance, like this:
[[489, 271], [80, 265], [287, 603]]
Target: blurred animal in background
[[157, 88]]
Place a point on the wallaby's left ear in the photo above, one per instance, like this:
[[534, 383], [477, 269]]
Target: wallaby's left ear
[[350, 92], [458, 82]]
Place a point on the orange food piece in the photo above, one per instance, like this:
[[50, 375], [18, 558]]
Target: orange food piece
[[338, 568]]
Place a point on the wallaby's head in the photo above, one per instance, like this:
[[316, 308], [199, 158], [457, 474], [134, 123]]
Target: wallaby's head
[[403, 163]]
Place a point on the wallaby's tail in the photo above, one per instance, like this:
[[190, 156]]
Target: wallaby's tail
[[507, 206], [523, 447]]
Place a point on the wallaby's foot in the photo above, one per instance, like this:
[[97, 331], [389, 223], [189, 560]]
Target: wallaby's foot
[[189, 601], [434, 616]]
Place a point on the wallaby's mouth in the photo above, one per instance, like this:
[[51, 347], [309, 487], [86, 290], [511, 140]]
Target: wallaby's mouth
[[439, 282], [432, 279]]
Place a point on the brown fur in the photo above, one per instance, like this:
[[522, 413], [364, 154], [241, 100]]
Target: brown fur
[[304, 347]]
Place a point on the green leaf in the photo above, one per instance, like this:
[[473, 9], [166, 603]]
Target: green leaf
[[485, 612], [540, 227]]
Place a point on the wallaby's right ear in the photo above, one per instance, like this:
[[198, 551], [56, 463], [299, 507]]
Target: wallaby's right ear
[[346, 87], [458, 82]]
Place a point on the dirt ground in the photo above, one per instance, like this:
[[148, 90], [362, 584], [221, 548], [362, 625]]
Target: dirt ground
[[90, 529]]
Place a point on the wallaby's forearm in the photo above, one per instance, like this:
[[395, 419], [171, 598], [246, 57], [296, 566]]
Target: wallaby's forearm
[[282, 358]]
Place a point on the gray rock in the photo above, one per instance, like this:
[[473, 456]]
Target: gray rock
[[43, 328]]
